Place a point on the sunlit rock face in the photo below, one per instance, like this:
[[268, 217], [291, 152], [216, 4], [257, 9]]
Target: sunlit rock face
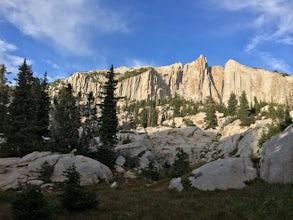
[[192, 81]]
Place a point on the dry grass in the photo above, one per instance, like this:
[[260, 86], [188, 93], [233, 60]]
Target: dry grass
[[135, 200]]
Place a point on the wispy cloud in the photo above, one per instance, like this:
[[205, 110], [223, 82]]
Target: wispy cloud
[[275, 63], [135, 62], [11, 61], [52, 64], [69, 24], [271, 21]]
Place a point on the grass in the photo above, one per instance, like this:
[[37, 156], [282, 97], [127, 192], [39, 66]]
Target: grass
[[135, 200], [132, 73]]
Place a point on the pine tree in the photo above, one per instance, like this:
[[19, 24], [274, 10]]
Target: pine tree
[[108, 120], [4, 96], [89, 125], [66, 122], [244, 111], [210, 109], [25, 126], [232, 104]]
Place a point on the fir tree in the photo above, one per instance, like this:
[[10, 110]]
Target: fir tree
[[25, 125], [4, 96], [244, 111], [66, 122], [89, 125], [210, 109], [108, 120], [232, 104]]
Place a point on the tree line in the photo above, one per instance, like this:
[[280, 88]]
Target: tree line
[[30, 121]]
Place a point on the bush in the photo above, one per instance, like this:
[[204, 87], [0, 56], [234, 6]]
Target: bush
[[180, 165], [74, 198], [151, 172], [46, 172], [105, 156], [131, 162], [30, 204]]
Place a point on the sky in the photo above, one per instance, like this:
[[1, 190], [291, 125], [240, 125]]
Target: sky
[[63, 37]]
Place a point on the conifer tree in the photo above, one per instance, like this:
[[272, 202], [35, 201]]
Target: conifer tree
[[89, 125], [232, 104], [210, 109], [244, 111], [4, 96], [66, 122], [108, 120], [25, 126]]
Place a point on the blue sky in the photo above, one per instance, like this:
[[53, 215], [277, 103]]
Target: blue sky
[[62, 37]]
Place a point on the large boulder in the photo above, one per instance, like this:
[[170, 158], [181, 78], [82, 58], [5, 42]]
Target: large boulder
[[91, 171], [176, 184], [19, 171], [276, 164], [13, 178], [229, 173], [243, 144]]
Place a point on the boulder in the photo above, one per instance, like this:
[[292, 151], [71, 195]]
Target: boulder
[[129, 175], [10, 161], [34, 155], [91, 171], [176, 184], [120, 161], [12, 178], [276, 163], [229, 173], [2, 169], [36, 165]]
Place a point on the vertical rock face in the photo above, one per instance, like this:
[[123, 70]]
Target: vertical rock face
[[193, 81], [262, 84]]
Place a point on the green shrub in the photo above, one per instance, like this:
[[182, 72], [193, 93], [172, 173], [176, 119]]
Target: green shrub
[[46, 172], [151, 172], [31, 204], [105, 156], [131, 162], [133, 73], [179, 167], [188, 122], [74, 198]]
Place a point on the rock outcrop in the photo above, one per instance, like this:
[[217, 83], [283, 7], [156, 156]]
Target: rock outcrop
[[192, 81], [19, 171], [229, 173], [276, 164]]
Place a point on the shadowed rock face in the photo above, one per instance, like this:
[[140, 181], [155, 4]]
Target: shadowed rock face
[[192, 81], [276, 164]]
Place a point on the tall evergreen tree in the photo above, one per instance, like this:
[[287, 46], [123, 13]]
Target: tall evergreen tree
[[25, 126], [232, 104], [108, 120], [4, 96], [210, 109], [66, 122], [244, 111], [89, 125]]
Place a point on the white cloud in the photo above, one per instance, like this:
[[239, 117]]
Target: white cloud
[[134, 62], [11, 61], [271, 21], [52, 64], [274, 63], [68, 23]]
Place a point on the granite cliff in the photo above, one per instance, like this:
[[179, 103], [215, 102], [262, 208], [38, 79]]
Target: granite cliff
[[192, 81]]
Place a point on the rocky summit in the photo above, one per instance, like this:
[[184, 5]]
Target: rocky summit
[[193, 81]]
